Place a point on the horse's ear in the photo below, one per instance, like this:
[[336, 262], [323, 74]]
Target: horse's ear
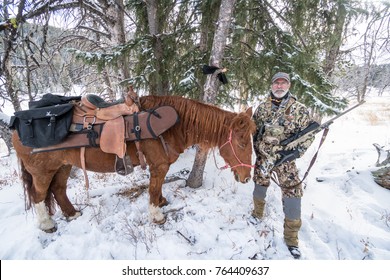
[[249, 111]]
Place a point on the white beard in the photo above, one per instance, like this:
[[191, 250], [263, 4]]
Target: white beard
[[279, 93]]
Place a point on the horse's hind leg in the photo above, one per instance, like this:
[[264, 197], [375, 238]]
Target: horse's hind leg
[[58, 187], [42, 200], [44, 187], [45, 222]]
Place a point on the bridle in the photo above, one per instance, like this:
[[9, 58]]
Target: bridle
[[229, 141]]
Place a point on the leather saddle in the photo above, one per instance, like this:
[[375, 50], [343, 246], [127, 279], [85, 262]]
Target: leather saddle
[[93, 110]]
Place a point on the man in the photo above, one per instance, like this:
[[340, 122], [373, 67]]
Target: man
[[279, 117]]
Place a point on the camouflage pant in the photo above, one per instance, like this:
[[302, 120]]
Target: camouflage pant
[[286, 175]]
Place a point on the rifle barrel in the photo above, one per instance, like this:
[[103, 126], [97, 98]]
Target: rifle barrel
[[314, 127]]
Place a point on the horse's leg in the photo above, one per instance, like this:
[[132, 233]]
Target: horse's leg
[[156, 199], [37, 172], [58, 187], [45, 222], [41, 199], [158, 167]]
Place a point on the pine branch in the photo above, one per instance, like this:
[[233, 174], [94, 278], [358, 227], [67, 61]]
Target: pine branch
[[286, 21]]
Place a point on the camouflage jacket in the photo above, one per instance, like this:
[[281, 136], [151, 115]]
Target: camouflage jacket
[[276, 123]]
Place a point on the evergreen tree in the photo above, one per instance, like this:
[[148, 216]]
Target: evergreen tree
[[302, 38]]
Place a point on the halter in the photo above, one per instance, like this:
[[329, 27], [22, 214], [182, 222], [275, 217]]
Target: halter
[[229, 141]]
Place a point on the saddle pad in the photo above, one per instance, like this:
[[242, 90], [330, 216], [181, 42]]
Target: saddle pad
[[150, 124]]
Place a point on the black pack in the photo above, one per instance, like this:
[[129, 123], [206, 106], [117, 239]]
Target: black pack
[[51, 100], [42, 127]]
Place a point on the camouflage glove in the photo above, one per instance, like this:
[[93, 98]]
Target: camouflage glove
[[286, 156]]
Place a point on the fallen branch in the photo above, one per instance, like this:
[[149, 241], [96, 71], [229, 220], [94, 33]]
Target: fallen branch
[[382, 177], [187, 239]]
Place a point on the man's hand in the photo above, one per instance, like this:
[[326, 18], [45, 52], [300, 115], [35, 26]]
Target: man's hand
[[286, 156], [277, 157]]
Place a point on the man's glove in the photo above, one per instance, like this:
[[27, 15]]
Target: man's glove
[[286, 156]]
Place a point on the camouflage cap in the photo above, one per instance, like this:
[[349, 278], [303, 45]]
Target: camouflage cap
[[281, 75]]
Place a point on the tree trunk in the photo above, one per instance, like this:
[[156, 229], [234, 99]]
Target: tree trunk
[[158, 84], [336, 41], [195, 178], [217, 51], [210, 11], [10, 89], [118, 33], [5, 63]]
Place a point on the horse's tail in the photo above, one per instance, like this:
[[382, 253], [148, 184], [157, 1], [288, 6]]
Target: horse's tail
[[28, 187], [29, 190]]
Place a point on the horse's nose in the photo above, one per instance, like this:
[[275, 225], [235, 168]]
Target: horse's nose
[[247, 180]]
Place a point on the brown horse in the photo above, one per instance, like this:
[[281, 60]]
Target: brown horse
[[45, 175]]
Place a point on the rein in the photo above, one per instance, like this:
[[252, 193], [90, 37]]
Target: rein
[[229, 141]]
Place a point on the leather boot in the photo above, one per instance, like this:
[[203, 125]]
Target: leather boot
[[291, 228], [258, 208]]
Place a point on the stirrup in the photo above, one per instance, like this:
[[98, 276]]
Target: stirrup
[[123, 166]]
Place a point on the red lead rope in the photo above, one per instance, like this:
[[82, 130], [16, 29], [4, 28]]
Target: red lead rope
[[234, 152]]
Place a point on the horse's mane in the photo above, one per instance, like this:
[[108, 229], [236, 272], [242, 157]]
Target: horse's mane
[[200, 121]]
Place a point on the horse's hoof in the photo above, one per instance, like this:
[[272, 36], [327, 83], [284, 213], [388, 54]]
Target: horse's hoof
[[50, 230], [163, 203], [155, 215], [160, 222], [48, 225], [74, 217]]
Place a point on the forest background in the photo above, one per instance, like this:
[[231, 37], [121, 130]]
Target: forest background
[[335, 50]]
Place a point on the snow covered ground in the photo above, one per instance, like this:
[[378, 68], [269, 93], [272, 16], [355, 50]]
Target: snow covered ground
[[346, 215]]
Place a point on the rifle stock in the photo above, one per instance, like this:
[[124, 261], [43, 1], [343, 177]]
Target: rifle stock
[[312, 129]]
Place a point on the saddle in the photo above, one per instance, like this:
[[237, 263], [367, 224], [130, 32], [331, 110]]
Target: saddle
[[93, 110]]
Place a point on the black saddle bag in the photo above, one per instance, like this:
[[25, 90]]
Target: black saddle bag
[[42, 127]]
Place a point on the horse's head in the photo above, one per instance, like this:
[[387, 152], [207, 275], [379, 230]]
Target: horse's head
[[237, 150]]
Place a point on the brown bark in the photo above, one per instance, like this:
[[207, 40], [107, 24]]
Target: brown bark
[[158, 85], [117, 31], [333, 52], [195, 178]]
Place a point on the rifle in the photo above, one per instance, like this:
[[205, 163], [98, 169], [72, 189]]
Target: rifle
[[300, 137]]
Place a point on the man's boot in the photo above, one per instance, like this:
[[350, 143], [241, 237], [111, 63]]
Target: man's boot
[[258, 208], [291, 228], [292, 224], [259, 194]]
